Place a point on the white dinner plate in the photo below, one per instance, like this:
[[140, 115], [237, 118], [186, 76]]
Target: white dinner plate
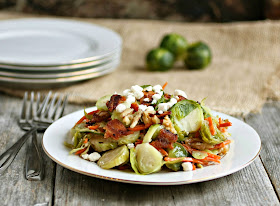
[[60, 68], [46, 42], [61, 74], [244, 149]]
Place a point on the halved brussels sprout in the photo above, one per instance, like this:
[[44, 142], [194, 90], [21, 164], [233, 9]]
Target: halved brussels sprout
[[177, 151], [148, 159], [101, 103], [198, 56], [199, 154], [176, 44], [206, 135], [114, 157], [131, 138], [187, 116], [100, 144], [152, 133], [159, 60]]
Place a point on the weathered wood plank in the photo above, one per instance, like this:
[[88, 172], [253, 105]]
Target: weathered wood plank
[[14, 189], [250, 186], [267, 125]]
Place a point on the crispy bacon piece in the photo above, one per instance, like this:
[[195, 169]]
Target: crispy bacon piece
[[163, 114], [114, 101], [134, 106], [167, 96], [180, 98], [165, 139], [115, 129], [99, 117], [149, 95]]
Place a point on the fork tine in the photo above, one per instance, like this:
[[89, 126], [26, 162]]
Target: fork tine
[[30, 112], [44, 105], [50, 106], [23, 109], [58, 103], [38, 101], [63, 106]]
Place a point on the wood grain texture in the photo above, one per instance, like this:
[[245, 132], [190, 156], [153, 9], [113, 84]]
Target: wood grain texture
[[15, 189], [267, 125]]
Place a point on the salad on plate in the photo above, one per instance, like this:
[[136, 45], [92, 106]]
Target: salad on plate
[[145, 129]]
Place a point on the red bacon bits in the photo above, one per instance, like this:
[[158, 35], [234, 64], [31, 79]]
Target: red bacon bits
[[134, 106], [163, 114], [180, 98], [115, 129], [149, 95], [165, 139], [99, 117], [114, 101], [167, 96]]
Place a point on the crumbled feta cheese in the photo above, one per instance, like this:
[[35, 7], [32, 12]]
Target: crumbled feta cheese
[[187, 166], [163, 106], [157, 88], [120, 108], [136, 88], [178, 92], [130, 145], [150, 109], [146, 99], [127, 92], [94, 156], [149, 88], [172, 101], [154, 101], [85, 156], [160, 112], [130, 99], [142, 107], [137, 91], [156, 96]]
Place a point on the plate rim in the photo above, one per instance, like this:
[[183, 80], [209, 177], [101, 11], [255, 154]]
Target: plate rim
[[223, 174]]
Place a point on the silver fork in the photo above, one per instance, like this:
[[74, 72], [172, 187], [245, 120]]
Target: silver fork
[[50, 110]]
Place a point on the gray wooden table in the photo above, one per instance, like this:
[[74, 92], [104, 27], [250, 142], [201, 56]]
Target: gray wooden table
[[257, 184]]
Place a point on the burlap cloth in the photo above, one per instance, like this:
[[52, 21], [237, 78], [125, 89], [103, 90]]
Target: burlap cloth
[[244, 73]]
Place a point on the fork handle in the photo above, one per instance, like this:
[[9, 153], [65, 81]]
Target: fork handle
[[34, 166], [8, 156]]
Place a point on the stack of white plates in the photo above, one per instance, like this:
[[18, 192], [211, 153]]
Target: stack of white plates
[[41, 53]]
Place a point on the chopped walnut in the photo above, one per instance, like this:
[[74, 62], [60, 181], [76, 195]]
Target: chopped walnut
[[137, 116], [168, 124], [126, 112], [149, 117]]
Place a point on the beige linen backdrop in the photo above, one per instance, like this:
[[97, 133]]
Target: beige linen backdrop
[[244, 73]]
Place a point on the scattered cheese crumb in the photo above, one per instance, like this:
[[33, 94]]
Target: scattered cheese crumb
[[157, 88], [85, 156], [187, 166], [130, 145], [142, 107], [94, 156], [178, 92], [146, 99], [120, 108], [149, 88]]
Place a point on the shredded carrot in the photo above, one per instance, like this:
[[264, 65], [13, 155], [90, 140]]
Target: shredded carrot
[[134, 106], [217, 157], [163, 152], [217, 146], [209, 159], [226, 124], [211, 126], [80, 151], [93, 127], [165, 84], [163, 114], [86, 140], [84, 117], [140, 127], [223, 129], [138, 141], [220, 120], [193, 167]]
